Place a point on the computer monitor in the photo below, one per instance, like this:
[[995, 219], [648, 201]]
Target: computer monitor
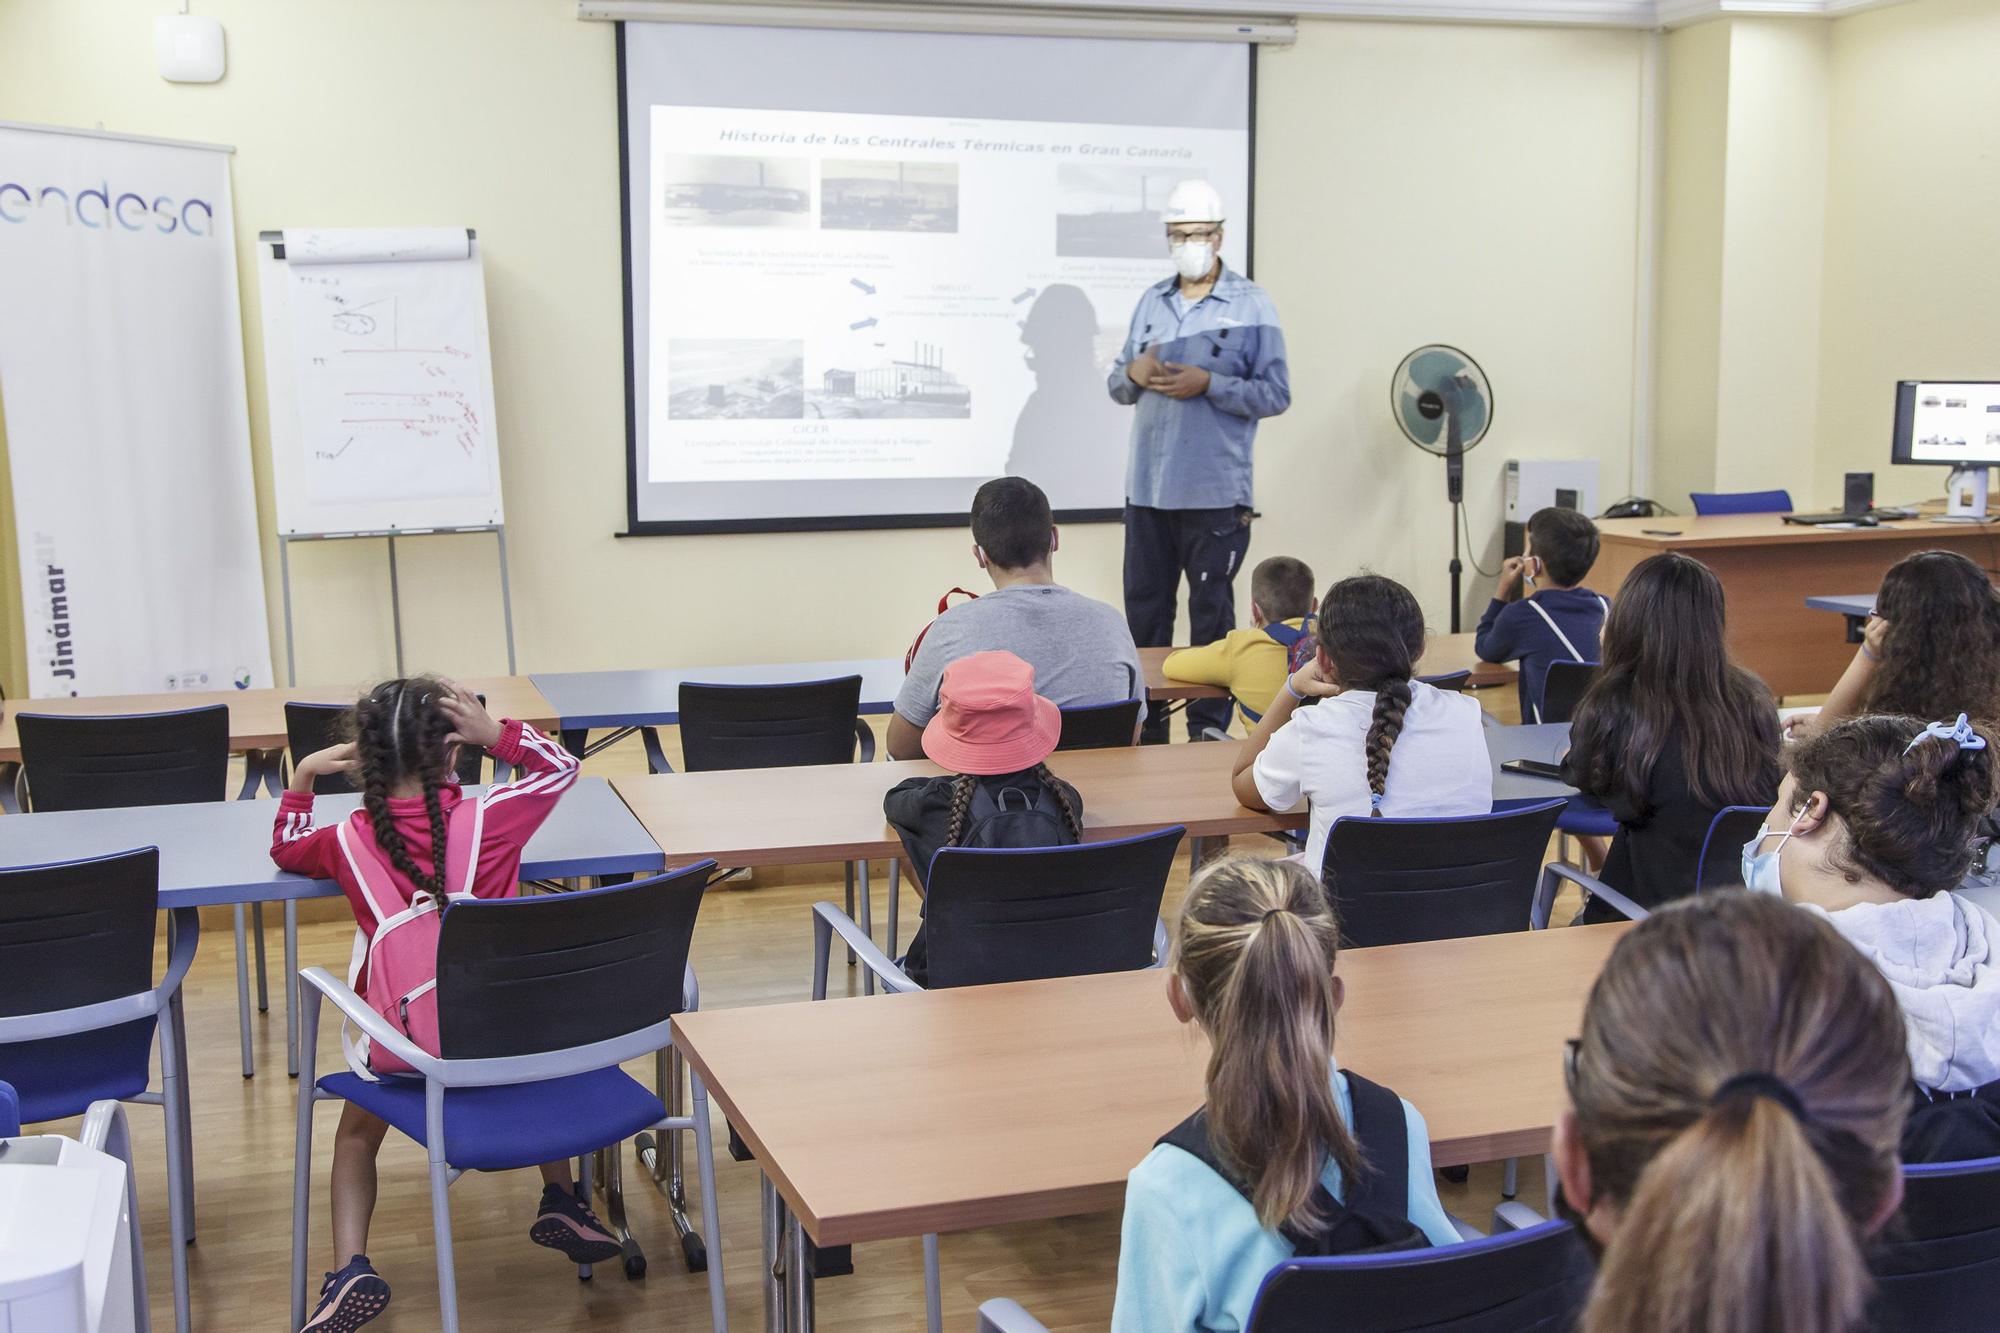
[[1947, 424]]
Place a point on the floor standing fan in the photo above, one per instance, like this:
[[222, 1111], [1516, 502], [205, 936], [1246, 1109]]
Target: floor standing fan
[[1443, 403]]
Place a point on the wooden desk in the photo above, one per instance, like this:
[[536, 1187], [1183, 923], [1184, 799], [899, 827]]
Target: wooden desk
[[792, 816], [878, 1118], [1768, 567], [257, 717], [1443, 654]]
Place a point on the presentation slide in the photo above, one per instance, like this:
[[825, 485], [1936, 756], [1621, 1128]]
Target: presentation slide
[[1953, 423], [851, 311]]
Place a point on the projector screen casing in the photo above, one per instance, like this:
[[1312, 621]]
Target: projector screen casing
[[667, 508]]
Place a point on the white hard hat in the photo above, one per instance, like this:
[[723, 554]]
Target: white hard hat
[[1194, 201]]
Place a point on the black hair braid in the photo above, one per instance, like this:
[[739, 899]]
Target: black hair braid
[[1061, 792], [1392, 701], [399, 733], [961, 806]]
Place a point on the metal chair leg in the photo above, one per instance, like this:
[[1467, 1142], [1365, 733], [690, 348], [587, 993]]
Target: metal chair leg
[[933, 1287], [180, 1181], [895, 902], [867, 926], [850, 905], [614, 1209], [441, 1234]]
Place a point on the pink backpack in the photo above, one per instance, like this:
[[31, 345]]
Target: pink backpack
[[401, 959]]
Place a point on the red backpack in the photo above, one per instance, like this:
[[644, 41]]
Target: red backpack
[[401, 958], [944, 604]]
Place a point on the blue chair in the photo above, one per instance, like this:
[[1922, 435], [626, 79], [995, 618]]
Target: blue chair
[[1707, 503], [1400, 881], [1100, 726], [1721, 863], [10, 1111], [79, 1009], [1563, 688], [539, 1001], [1530, 1281], [1021, 914], [1937, 1265]]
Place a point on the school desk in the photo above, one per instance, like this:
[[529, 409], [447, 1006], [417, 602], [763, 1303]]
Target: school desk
[[874, 1118], [217, 852], [257, 717], [1768, 567], [1854, 608]]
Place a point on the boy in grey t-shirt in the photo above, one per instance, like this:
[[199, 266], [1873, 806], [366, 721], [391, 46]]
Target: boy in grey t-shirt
[[1080, 648]]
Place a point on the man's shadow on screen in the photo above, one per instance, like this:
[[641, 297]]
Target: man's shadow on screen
[[1070, 438]]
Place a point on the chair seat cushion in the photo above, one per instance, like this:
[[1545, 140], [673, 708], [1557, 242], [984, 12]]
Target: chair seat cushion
[[1586, 818], [515, 1124], [58, 1077]]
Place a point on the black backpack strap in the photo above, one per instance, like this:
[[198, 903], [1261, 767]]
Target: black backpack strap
[[1383, 1132], [1191, 1137]]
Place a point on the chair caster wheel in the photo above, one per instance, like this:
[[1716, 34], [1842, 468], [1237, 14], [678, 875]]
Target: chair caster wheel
[[635, 1266], [695, 1253]]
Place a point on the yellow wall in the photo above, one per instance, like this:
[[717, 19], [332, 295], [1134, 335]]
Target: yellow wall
[[1694, 148], [1912, 286], [1417, 183]]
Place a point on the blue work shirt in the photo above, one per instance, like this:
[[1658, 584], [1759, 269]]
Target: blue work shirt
[[1194, 453]]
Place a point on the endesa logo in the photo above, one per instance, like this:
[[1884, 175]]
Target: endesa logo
[[97, 208]]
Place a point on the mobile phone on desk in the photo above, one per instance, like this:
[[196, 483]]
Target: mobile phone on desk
[[1534, 768]]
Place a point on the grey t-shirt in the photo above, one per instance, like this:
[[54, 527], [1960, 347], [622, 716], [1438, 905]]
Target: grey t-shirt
[[1080, 649]]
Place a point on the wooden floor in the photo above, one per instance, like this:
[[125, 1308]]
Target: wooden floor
[[752, 947]]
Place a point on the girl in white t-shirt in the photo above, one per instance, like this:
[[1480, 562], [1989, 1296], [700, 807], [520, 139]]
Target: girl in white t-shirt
[[1336, 756]]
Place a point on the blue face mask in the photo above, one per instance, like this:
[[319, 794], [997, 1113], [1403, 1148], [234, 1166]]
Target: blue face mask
[[1760, 869]]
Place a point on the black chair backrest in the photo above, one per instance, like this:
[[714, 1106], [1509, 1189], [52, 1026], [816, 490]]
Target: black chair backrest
[[1721, 864], [1563, 688], [100, 763], [1397, 881], [1022, 914], [78, 932], [518, 976], [1100, 726], [1937, 1264], [311, 727], [769, 726], [1533, 1281], [1455, 681]]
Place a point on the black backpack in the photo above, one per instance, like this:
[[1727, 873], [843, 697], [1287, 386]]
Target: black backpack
[[1374, 1218], [1015, 817]]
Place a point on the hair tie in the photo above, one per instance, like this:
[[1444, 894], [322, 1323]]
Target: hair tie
[[1275, 911], [1374, 800], [1959, 733], [1759, 1084]]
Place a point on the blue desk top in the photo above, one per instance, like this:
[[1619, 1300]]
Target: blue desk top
[[1856, 605], [652, 698], [1544, 741], [220, 851]]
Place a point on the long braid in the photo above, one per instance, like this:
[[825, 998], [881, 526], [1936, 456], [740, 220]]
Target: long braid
[[1392, 700], [1070, 818], [399, 733], [961, 806]]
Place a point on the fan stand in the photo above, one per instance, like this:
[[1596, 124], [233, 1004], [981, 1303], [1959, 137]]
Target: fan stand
[[1454, 486]]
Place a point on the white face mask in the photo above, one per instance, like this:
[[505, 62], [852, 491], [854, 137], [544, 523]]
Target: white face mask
[[1193, 259], [1760, 869]]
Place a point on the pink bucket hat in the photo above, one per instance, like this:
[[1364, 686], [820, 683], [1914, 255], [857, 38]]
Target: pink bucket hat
[[989, 720]]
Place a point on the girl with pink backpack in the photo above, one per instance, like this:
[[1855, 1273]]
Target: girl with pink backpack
[[416, 843]]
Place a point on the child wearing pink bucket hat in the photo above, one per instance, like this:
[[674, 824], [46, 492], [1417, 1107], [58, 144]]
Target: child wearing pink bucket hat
[[991, 732]]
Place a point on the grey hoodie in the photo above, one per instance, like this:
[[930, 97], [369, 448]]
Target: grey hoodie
[[1942, 958]]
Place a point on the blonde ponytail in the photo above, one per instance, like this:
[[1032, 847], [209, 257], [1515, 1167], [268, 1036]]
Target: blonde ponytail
[[1255, 952], [1740, 1089]]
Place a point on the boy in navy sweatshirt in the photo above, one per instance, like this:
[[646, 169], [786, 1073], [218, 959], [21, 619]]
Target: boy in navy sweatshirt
[[1558, 620]]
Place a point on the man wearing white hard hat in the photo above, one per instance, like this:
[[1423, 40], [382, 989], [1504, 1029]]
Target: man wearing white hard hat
[[1204, 362]]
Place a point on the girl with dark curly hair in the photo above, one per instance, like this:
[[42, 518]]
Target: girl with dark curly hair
[[1931, 647]]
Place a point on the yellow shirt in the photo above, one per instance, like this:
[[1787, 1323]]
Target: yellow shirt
[[1249, 663]]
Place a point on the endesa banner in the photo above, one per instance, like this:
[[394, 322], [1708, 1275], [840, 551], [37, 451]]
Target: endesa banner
[[128, 439]]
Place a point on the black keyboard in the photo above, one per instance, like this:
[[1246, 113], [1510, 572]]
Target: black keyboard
[[1821, 520]]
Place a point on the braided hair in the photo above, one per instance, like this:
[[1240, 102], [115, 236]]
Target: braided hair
[[399, 735], [1372, 631], [961, 803]]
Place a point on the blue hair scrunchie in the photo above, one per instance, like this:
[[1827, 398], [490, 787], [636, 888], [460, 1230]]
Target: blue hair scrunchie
[[1374, 800], [1959, 733]]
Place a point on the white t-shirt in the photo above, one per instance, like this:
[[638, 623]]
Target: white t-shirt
[[1439, 765]]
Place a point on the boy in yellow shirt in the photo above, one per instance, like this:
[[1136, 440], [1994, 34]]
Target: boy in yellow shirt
[[1252, 663]]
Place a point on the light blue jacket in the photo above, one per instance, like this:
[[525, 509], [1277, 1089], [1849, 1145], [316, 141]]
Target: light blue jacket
[[1194, 453], [1192, 1253]]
